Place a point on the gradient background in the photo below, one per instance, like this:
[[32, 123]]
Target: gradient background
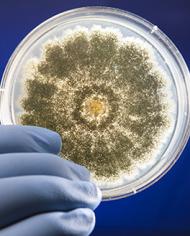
[[164, 208]]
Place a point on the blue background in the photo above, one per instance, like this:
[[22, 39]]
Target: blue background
[[164, 208]]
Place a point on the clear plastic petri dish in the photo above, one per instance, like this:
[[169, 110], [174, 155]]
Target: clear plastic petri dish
[[167, 58]]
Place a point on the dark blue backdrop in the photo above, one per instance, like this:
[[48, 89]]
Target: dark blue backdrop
[[164, 208]]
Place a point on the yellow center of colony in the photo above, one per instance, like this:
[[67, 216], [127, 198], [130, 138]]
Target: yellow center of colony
[[95, 108]]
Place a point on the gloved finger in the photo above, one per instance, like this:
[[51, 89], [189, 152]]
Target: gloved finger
[[79, 222], [19, 164], [19, 138], [24, 196]]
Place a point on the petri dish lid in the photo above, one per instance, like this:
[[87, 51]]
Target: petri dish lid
[[167, 56]]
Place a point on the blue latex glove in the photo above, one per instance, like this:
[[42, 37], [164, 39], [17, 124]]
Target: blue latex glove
[[40, 193]]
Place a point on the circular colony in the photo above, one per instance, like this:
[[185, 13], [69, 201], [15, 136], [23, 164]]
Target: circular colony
[[104, 94]]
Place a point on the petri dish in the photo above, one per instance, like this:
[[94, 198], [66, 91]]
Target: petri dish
[[128, 26]]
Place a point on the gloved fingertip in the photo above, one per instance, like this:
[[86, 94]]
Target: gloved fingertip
[[92, 223], [56, 142], [84, 173], [98, 196], [45, 140], [84, 218], [92, 195], [78, 171], [88, 218]]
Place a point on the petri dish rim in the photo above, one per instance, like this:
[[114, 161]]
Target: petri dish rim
[[6, 97]]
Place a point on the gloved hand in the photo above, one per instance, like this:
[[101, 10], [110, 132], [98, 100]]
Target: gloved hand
[[40, 193]]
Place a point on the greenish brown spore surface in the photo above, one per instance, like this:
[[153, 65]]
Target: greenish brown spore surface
[[103, 94]]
